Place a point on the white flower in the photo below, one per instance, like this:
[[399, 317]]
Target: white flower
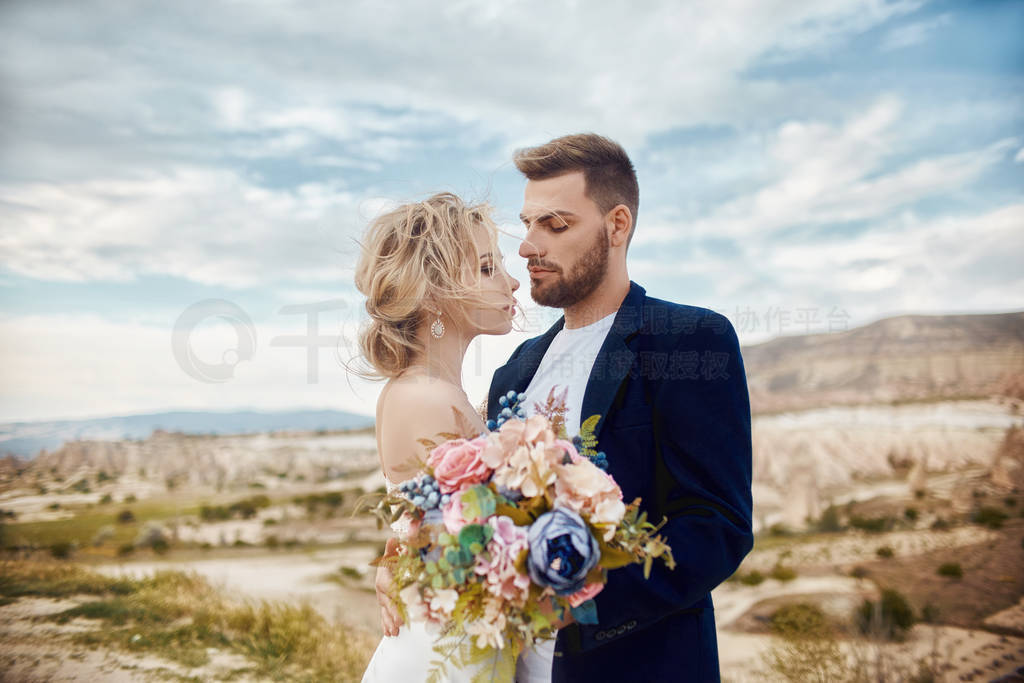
[[444, 600]]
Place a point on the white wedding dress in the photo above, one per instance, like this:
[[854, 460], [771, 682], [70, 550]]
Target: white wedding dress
[[408, 657]]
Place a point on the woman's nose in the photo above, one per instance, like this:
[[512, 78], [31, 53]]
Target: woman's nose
[[515, 283]]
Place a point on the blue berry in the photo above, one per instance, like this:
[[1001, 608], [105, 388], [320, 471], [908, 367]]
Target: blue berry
[[503, 400], [418, 500], [510, 395], [506, 413], [492, 425]]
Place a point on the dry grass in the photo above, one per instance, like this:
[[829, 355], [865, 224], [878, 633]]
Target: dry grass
[[178, 616]]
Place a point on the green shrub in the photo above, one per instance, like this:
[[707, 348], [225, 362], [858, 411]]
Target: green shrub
[[885, 552], [107, 499], [782, 573], [752, 578], [126, 516], [991, 517], [910, 514], [104, 534], [800, 620], [779, 530], [1010, 501], [890, 618], [829, 522], [859, 572], [952, 570], [125, 549], [130, 498], [940, 524], [62, 549], [272, 542], [930, 614]]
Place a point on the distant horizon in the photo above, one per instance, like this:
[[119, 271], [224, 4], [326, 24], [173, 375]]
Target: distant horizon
[[371, 416]]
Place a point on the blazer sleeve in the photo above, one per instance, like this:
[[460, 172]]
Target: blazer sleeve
[[702, 452]]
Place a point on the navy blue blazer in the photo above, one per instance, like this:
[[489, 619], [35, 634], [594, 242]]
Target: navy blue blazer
[[671, 391]]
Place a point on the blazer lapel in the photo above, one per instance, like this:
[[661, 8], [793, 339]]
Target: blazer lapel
[[615, 358]]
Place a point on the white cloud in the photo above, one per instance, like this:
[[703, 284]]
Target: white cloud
[[205, 225], [914, 33], [832, 174]]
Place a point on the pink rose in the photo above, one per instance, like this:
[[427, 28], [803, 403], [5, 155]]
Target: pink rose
[[452, 514], [585, 593], [457, 464]]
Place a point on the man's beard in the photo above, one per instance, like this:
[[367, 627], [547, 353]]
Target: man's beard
[[583, 278]]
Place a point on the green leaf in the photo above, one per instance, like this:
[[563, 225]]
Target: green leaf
[[478, 503]]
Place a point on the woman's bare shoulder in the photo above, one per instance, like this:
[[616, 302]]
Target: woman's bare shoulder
[[419, 408]]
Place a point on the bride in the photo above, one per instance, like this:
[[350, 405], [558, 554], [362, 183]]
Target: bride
[[433, 279]]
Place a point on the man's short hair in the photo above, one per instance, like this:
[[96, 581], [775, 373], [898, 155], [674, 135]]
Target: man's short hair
[[607, 171]]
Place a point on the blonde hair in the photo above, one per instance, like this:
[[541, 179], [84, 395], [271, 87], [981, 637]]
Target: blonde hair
[[414, 262]]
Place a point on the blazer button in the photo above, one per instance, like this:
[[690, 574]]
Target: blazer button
[[620, 630], [600, 635], [632, 624]]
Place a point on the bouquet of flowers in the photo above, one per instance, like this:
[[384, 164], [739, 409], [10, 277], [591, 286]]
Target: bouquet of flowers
[[506, 531]]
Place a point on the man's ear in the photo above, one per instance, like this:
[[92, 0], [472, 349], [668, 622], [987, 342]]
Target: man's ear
[[620, 223]]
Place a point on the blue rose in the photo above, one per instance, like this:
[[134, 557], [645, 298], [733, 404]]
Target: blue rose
[[562, 551]]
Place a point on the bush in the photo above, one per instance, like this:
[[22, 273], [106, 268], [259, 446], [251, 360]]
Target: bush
[[153, 535], [952, 570], [126, 517], [829, 522], [991, 517], [130, 498], [885, 552], [910, 514], [272, 542], [806, 649], [930, 614], [800, 620], [890, 618], [752, 578], [779, 530], [1010, 501], [107, 499], [783, 573], [859, 572], [103, 535], [62, 549], [940, 524], [125, 549]]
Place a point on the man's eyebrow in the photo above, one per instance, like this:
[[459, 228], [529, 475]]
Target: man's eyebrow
[[548, 216]]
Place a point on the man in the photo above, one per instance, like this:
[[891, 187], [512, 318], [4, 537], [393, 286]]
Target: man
[[668, 383]]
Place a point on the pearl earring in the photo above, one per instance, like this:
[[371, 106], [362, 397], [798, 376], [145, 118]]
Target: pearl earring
[[437, 329]]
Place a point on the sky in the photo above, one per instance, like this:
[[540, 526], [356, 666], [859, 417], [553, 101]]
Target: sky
[[183, 185]]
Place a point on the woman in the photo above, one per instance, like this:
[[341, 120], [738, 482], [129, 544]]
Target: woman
[[433, 279]]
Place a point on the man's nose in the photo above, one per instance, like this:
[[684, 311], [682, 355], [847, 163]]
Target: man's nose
[[530, 247]]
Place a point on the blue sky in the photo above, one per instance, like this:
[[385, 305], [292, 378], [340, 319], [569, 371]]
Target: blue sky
[[804, 167]]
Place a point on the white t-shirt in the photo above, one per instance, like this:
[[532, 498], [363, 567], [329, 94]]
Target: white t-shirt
[[567, 365]]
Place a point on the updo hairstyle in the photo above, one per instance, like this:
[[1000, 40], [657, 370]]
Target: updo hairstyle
[[417, 259]]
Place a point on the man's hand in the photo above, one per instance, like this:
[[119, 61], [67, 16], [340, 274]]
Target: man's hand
[[390, 617]]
